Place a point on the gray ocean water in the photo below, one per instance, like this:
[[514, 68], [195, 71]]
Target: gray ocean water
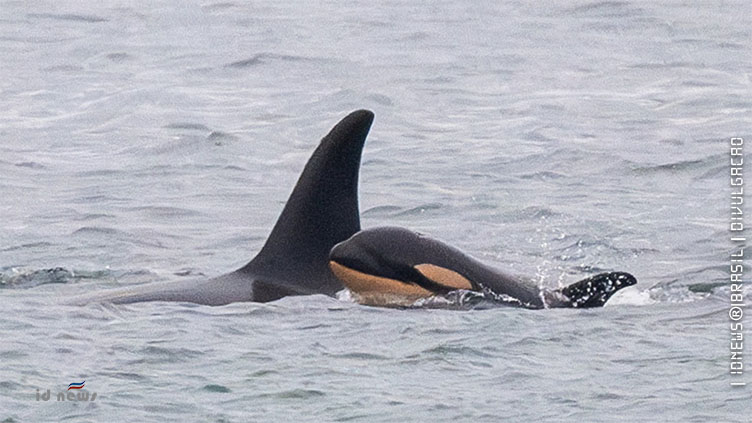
[[155, 141]]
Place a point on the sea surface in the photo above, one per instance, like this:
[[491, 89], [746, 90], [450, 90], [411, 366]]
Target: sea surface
[[147, 141]]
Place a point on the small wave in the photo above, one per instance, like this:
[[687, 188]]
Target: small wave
[[188, 125], [125, 375], [531, 213], [705, 287], [118, 57], [156, 354], [698, 84], [41, 244], [166, 211], [96, 230], [68, 17], [96, 199], [94, 216], [296, 394], [359, 356], [31, 165], [188, 272], [456, 350], [264, 58], [714, 172], [588, 269], [219, 137], [415, 36], [382, 211], [375, 162], [100, 172], [678, 166], [730, 45], [606, 9], [30, 278], [664, 65], [264, 372], [419, 210], [543, 175], [63, 68], [675, 292], [216, 388]]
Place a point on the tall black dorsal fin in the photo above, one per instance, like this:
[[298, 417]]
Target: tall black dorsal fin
[[322, 209]]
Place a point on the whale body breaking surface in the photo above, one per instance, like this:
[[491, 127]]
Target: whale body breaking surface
[[317, 247]]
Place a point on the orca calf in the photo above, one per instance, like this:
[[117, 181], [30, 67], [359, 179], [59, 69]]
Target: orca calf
[[321, 211], [391, 266]]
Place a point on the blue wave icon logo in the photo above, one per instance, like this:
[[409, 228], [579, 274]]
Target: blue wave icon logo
[[76, 385]]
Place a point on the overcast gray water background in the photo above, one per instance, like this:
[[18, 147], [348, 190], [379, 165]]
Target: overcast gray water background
[[153, 141]]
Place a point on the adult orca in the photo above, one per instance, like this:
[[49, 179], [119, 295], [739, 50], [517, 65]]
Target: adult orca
[[321, 211], [392, 266]]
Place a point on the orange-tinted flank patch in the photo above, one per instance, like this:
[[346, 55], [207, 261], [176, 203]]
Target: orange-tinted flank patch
[[444, 276], [364, 284]]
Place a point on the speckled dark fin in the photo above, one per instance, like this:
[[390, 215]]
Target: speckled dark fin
[[595, 290]]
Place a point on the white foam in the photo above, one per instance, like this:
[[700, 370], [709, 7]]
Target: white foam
[[345, 295], [630, 296]]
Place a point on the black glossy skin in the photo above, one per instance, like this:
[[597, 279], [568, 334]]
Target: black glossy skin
[[391, 252], [321, 211]]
